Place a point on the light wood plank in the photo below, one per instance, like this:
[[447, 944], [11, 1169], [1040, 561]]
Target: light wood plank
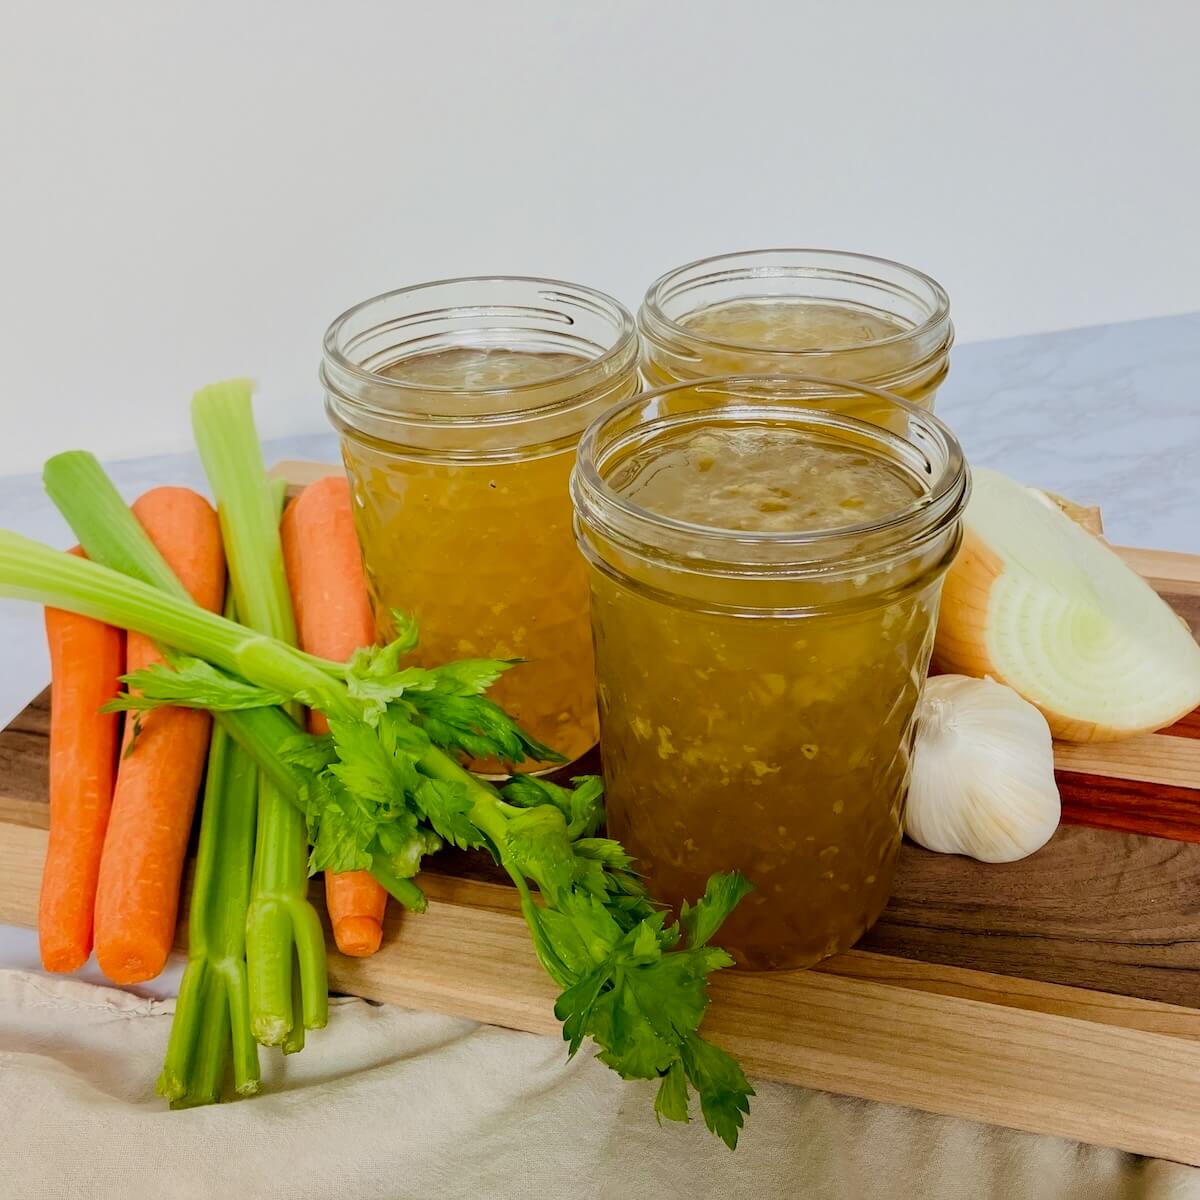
[[1154, 758], [1164, 570], [858, 1033], [1010, 991]]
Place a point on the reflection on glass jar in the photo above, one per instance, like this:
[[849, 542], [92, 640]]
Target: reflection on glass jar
[[765, 571], [848, 317], [460, 405]]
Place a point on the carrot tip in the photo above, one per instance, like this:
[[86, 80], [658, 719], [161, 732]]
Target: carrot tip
[[129, 968], [63, 962], [357, 936]]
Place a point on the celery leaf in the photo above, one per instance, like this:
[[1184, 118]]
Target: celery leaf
[[722, 895]]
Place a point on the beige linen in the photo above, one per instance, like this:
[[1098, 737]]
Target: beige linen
[[386, 1102]]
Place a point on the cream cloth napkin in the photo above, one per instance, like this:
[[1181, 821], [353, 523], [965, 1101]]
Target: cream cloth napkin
[[386, 1102]]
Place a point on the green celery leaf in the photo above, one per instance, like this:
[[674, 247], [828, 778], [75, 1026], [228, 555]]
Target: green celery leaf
[[724, 1090], [382, 690], [582, 804], [538, 846], [594, 923], [374, 674], [470, 676], [591, 877], [577, 940], [672, 1099], [405, 633], [385, 660], [587, 805], [722, 895], [673, 990], [447, 806], [365, 766], [563, 947], [604, 850], [339, 832], [404, 842], [628, 1043], [399, 733], [574, 1007], [528, 791], [308, 751], [473, 725], [191, 683]]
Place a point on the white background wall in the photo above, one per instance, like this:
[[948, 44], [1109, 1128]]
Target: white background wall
[[192, 190]]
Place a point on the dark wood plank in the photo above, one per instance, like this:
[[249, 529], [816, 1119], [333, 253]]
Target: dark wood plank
[[1096, 909], [1185, 603], [1188, 726], [1130, 805], [1110, 911], [24, 754]]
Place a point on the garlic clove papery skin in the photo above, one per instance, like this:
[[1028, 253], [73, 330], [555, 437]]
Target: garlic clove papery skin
[[982, 780]]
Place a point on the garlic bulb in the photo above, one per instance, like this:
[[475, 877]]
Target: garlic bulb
[[982, 772]]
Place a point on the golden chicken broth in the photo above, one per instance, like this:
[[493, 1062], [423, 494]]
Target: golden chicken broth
[[733, 335], [774, 744], [769, 478], [482, 553]]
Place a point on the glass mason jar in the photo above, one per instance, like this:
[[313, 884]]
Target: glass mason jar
[[460, 404], [842, 316], [765, 573]]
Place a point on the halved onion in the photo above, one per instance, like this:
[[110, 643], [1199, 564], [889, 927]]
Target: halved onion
[[1047, 608]]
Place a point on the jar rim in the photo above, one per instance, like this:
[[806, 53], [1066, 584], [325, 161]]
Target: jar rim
[[654, 319], [335, 356], [596, 500]]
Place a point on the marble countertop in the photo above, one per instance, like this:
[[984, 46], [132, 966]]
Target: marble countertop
[[1106, 415]]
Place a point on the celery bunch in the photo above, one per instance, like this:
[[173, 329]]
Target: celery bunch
[[285, 946], [386, 786]]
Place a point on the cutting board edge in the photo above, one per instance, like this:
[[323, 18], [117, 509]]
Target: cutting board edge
[[1092, 1077]]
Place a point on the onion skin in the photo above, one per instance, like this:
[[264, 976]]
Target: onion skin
[[961, 643]]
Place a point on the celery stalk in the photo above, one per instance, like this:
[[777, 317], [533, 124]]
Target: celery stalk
[[223, 426], [103, 522], [283, 932], [33, 571], [215, 977]]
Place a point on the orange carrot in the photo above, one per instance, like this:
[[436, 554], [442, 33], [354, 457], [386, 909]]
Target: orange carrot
[[137, 900], [86, 658], [333, 619]]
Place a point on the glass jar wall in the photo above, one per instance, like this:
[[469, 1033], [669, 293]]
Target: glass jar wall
[[459, 405], [848, 317], [765, 570]]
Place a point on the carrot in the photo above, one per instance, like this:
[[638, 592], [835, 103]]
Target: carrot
[[137, 900], [86, 658], [333, 619]]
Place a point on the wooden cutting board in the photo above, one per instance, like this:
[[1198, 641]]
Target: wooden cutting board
[[1058, 995]]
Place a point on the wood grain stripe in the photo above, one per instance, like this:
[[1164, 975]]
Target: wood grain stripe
[[1031, 995], [1109, 911], [1154, 758], [1130, 806]]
